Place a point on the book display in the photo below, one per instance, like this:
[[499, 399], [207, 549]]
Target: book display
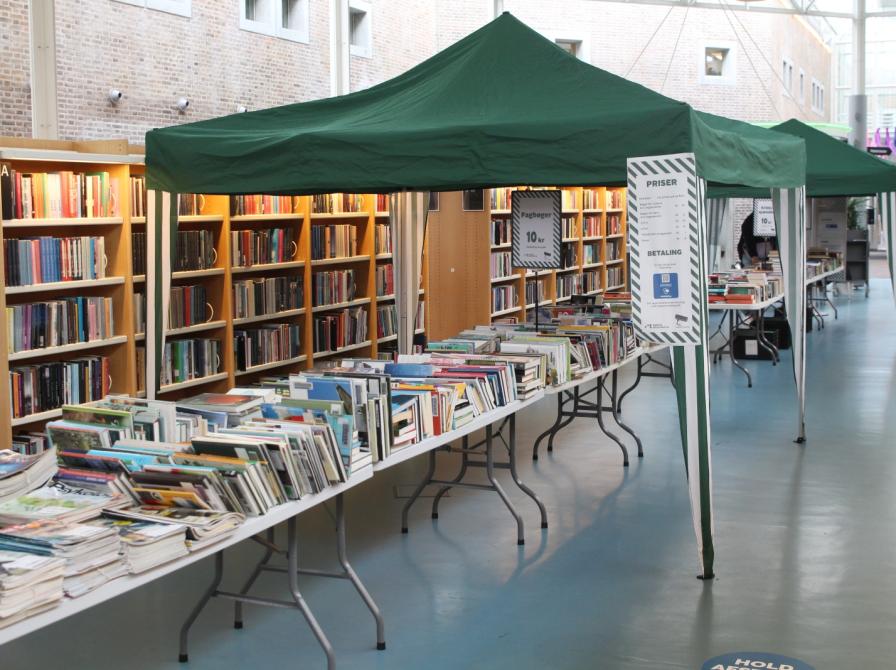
[[256, 281]]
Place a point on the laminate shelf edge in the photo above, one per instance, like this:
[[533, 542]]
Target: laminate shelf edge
[[341, 305], [65, 348], [64, 223], [195, 328], [64, 285], [218, 376], [270, 366], [265, 317], [266, 267], [40, 416], [350, 347]]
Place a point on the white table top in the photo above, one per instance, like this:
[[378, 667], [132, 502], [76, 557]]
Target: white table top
[[255, 525], [746, 307], [824, 275]]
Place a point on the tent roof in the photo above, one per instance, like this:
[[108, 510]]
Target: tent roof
[[501, 107], [833, 168]]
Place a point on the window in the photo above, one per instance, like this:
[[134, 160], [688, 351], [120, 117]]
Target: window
[[717, 63], [287, 19], [802, 86], [179, 7], [817, 97], [359, 29], [787, 76], [572, 47]]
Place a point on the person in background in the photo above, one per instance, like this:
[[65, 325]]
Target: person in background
[[750, 248]]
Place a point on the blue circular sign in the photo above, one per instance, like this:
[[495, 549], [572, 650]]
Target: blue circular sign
[[754, 660]]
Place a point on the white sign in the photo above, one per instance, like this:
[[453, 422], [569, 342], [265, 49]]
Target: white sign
[[764, 218], [664, 238], [537, 229]]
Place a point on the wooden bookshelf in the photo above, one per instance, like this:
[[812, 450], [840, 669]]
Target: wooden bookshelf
[[463, 243], [121, 282]]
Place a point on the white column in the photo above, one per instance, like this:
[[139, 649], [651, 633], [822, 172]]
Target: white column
[[44, 113], [858, 101], [339, 48]]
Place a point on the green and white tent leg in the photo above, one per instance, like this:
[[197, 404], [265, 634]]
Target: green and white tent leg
[[790, 220], [691, 373], [887, 208], [161, 229], [408, 211], [716, 217]]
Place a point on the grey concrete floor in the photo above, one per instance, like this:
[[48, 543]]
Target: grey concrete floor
[[805, 555]]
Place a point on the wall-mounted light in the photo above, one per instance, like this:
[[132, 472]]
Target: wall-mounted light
[[114, 96], [241, 108], [182, 105]]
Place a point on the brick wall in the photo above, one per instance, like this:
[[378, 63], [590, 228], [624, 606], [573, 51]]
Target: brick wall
[[15, 69], [155, 57]]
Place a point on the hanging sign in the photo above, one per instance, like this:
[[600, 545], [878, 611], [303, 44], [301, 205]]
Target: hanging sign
[[754, 660], [763, 218], [537, 229], [666, 225]]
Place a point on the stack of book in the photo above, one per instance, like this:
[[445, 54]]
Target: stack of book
[[614, 223], [615, 276], [590, 198], [241, 205], [382, 203], [262, 247], [385, 280], [268, 343], [568, 284], [40, 260], [386, 321], [190, 204], [500, 264], [138, 196], [184, 360], [504, 297], [591, 254], [256, 297], [57, 322], [501, 231], [500, 199], [333, 287], [187, 306], [341, 329], [202, 527], [194, 250], [222, 410], [333, 241], [591, 226], [383, 239], [337, 203], [138, 253], [48, 386], [570, 230], [57, 195]]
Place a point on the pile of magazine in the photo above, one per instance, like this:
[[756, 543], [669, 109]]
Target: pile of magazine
[[29, 584], [20, 473]]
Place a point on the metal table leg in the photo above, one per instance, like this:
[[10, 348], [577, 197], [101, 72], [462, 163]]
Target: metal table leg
[[763, 340], [511, 449], [416, 494], [600, 422], [460, 475], [552, 429], [212, 590], [613, 408], [733, 321], [490, 474], [270, 549]]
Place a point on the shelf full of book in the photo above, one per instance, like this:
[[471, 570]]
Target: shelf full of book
[[242, 300], [470, 262]]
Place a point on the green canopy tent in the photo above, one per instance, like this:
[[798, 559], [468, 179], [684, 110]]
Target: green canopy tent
[[833, 169], [501, 107]]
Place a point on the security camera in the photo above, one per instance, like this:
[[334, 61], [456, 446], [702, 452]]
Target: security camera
[[182, 104], [115, 96], [241, 108]]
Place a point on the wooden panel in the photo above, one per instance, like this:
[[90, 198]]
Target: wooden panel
[[458, 286]]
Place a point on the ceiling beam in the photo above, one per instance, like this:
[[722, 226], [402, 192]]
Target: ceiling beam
[[735, 5]]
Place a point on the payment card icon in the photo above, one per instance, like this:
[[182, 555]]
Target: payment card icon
[[665, 285]]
